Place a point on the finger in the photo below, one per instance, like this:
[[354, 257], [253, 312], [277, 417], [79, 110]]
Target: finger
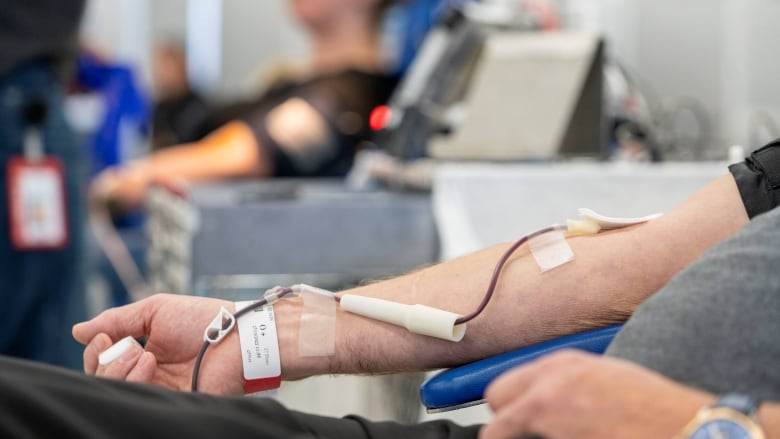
[[513, 383], [92, 351], [524, 436], [119, 360], [133, 319], [510, 385], [511, 421], [144, 370]]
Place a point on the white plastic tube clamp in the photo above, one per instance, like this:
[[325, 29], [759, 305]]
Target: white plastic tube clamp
[[419, 319]]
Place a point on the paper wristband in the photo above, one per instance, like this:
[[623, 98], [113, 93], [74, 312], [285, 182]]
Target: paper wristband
[[259, 348]]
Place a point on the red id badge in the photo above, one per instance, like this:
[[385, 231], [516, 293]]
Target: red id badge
[[37, 209]]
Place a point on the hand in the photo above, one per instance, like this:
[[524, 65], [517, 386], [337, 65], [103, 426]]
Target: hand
[[578, 395], [125, 187], [174, 325]]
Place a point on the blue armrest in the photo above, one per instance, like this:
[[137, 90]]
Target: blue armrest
[[465, 385]]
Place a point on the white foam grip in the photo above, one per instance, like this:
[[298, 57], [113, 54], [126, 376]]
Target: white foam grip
[[419, 319], [116, 350]]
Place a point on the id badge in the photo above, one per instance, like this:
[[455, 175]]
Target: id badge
[[36, 196]]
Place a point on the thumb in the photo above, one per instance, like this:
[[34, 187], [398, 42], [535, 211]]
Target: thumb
[[133, 319]]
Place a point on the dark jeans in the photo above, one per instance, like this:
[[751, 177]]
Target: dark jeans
[[41, 292]]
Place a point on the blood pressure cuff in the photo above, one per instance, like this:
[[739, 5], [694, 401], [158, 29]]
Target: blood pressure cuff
[[758, 179]]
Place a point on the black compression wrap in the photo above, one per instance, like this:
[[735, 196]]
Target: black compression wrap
[[758, 179]]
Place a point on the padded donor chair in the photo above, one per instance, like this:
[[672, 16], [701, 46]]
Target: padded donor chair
[[464, 386]]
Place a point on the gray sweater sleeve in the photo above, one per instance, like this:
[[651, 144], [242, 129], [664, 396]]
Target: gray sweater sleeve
[[716, 326]]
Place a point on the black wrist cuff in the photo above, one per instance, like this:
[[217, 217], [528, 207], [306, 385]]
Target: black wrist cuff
[[758, 179]]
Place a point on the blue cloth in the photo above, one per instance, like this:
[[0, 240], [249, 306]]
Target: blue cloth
[[41, 292], [125, 103], [410, 23]]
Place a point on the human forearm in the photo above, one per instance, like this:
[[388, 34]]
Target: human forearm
[[229, 152], [612, 273]]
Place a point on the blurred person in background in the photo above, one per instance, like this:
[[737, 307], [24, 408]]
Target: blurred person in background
[[307, 125], [41, 170], [179, 111]]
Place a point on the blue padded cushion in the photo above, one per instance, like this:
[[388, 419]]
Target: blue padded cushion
[[467, 383]]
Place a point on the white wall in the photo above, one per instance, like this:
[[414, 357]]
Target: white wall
[[168, 18], [120, 29], [719, 52], [254, 33], [751, 65]]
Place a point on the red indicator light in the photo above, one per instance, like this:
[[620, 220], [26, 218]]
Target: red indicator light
[[380, 117]]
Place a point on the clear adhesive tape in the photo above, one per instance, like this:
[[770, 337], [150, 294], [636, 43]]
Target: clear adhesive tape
[[550, 250], [317, 335]]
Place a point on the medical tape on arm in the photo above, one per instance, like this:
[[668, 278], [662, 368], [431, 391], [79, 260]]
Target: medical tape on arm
[[550, 250], [259, 348], [317, 334]]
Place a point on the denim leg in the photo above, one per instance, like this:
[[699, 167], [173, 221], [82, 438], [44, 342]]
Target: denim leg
[[41, 292]]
